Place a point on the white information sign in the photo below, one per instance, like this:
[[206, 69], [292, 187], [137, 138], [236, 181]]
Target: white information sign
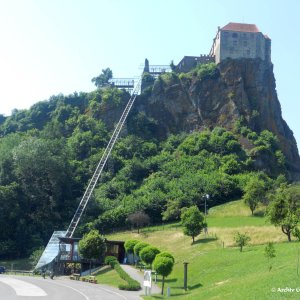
[[147, 279]]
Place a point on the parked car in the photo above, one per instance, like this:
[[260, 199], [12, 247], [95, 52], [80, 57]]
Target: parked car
[[2, 269]]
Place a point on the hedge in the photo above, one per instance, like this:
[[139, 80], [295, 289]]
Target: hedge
[[131, 284]]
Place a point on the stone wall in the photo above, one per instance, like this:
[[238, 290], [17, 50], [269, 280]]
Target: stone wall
[[190, 62]]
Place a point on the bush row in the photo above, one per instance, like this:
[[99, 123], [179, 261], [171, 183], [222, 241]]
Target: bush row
[[145, 252]]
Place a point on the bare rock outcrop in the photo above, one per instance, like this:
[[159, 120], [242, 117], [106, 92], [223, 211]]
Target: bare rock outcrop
[[238, 89]]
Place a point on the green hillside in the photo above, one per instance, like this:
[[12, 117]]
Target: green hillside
[[215, 272], [49, 152]]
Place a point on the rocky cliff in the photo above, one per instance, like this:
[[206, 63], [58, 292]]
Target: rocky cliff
[[237, 89]]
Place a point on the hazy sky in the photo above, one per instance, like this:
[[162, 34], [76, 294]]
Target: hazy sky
[[56, 46]]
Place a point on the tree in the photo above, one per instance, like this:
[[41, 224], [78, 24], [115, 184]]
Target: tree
[[129, 245], [296, 233], [166, 254], [270, 253], [163, 266], [283, 211], [43, 172], [148, 254], [103, 78], [172, 66], [138, 248], [241, 239], [192, 221], [35, 256], [92, 246], [139, 219], [255, 191], [172, 212]]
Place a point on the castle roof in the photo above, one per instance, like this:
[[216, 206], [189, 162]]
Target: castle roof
[[241, 27]]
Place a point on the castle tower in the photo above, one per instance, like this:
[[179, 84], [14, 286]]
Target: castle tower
[[238, 40], [146, 67]]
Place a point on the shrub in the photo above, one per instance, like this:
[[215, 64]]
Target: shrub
[[131, 286], [129, 245], [111, 260], [205, 71]]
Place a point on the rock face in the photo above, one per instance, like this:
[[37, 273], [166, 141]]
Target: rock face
[[239, 88]]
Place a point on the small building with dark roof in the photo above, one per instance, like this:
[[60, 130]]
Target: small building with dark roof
[[69, 261], [238, 40]]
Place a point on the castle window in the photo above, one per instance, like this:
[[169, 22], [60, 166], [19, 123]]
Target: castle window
[[244, 43], [234, 35], [234, 43]]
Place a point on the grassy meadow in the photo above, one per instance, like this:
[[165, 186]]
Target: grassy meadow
[[217, 269]]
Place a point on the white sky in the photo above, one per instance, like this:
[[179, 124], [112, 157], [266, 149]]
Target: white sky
[[49, 47]]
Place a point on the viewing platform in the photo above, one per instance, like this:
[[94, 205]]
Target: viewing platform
[[122, 83], [156, 70]]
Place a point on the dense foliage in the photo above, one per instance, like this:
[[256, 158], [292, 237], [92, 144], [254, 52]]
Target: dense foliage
[[49, 152]]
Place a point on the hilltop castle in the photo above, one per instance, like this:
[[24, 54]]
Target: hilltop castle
[[234, 41], [237, 40]]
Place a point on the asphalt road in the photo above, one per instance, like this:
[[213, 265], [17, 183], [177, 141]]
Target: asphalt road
[[37, 288]]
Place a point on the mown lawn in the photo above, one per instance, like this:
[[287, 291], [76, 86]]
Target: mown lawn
[[109, 276], [230, 274], [215, 272]]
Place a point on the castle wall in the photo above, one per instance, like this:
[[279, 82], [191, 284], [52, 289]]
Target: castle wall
[[190, 62]]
